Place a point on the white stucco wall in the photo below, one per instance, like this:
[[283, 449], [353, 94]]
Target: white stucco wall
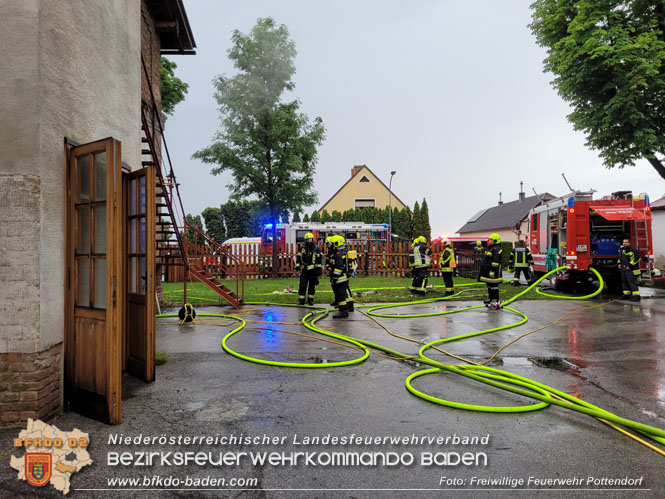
[[70, 69]]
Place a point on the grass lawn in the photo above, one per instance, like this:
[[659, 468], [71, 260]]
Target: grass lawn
[[275, 291]]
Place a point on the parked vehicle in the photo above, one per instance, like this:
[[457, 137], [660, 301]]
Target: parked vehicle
[[585, 233]]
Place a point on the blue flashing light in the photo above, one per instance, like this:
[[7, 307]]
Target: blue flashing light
[[571, 202], [267, 226]]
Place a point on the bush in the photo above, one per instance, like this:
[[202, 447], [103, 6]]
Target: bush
[[506, 252]]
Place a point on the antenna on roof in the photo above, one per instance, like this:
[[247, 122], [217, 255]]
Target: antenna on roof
[[566, 180], [500, 202], [537, 195]]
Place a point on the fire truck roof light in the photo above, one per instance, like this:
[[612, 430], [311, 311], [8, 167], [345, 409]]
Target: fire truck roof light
[[267, 226], [571, 210], [571, 201]]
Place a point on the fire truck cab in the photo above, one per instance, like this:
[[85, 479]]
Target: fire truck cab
[[577, 231]]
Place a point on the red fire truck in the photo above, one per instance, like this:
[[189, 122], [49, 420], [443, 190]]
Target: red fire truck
[[585, 233], [355, 232]]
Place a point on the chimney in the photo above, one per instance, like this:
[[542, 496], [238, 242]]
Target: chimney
[[522, 196], [356, 169], [500, 202]]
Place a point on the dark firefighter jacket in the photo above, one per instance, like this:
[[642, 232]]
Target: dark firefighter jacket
[[447, 261], [521, 257], [310, 259], [490, 267], [419, 257], [338, 266], [630, 257]]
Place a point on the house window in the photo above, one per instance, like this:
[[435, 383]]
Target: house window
[[363, 179], [365, 203]]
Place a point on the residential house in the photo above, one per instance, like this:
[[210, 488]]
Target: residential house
[[364, 189], [509, 220]]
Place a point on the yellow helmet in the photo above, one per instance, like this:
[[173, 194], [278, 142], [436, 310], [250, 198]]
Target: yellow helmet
[[419, 239], [338, 241], [309, 235], [494, 238]]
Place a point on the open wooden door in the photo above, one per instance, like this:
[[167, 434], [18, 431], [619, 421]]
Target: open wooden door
[[93, 349], [140, 265]]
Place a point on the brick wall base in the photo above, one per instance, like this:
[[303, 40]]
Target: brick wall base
[[30, 386]]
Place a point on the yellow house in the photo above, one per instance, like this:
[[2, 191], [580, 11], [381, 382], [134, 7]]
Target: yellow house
[[362, 190]]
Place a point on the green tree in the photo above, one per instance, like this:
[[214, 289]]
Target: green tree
[[316, 217], [336, 216], [193, 221], [173, 88], [426, 227], [608, 61], [325, 216], [305, 218], [214, 222], [268, 145], [296, 217], [416, 221]]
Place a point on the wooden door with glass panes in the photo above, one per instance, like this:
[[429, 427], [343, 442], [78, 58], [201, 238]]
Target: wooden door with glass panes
[[93, 348], [140, 264]]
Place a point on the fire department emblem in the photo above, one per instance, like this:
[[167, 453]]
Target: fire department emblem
[[38, 468]]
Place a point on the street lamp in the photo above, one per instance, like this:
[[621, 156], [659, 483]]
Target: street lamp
[[390, 207]]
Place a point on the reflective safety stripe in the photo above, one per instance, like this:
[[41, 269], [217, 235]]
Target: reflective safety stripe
[[490, 279], [636, 292]]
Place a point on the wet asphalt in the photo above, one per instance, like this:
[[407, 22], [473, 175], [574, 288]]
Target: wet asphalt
[[610, 355]]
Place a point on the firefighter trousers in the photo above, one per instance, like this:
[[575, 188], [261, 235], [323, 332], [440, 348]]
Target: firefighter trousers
[[341, 291], [448, 281], [419, 282], [308, 281], [629, 282], [525, 271]]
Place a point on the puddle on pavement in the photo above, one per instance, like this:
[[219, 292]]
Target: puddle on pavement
[[516, 361]]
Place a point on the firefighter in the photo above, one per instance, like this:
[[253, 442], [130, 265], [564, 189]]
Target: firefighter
[[309, 261], [490, 270], [629, 266], [330, 265], [339, 275], [478, 248], [520, 261], [448, 265], [420, 262]]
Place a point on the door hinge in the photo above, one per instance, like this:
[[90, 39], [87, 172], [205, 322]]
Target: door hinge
[[115, 282], [150, 282]]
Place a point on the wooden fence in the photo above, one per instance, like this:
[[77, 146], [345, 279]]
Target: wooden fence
[[374, 259]]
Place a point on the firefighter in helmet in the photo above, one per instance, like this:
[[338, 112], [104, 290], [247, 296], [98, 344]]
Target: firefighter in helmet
[[448, 265], [520, 261], [338, 266], [478, 248], [420, 262], [629, 266], [490, 270], [309, 261]]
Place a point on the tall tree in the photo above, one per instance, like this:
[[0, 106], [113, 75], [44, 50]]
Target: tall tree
[[267, 145], [296, 217], [608, 61], [316, 217], [305, 218], [416, 223], [214, 222], [173, 88], [426, 227]]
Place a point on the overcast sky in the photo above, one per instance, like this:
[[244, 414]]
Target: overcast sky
[[449, 94]]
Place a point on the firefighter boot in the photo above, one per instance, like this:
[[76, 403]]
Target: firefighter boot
[[635, 298], [626, 296], [301, 301], [310, 301], [350, 306], [343, 313]]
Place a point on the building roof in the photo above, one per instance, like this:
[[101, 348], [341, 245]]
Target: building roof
[[356, 171], [658, 204], [175, 33], [503, 216]]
